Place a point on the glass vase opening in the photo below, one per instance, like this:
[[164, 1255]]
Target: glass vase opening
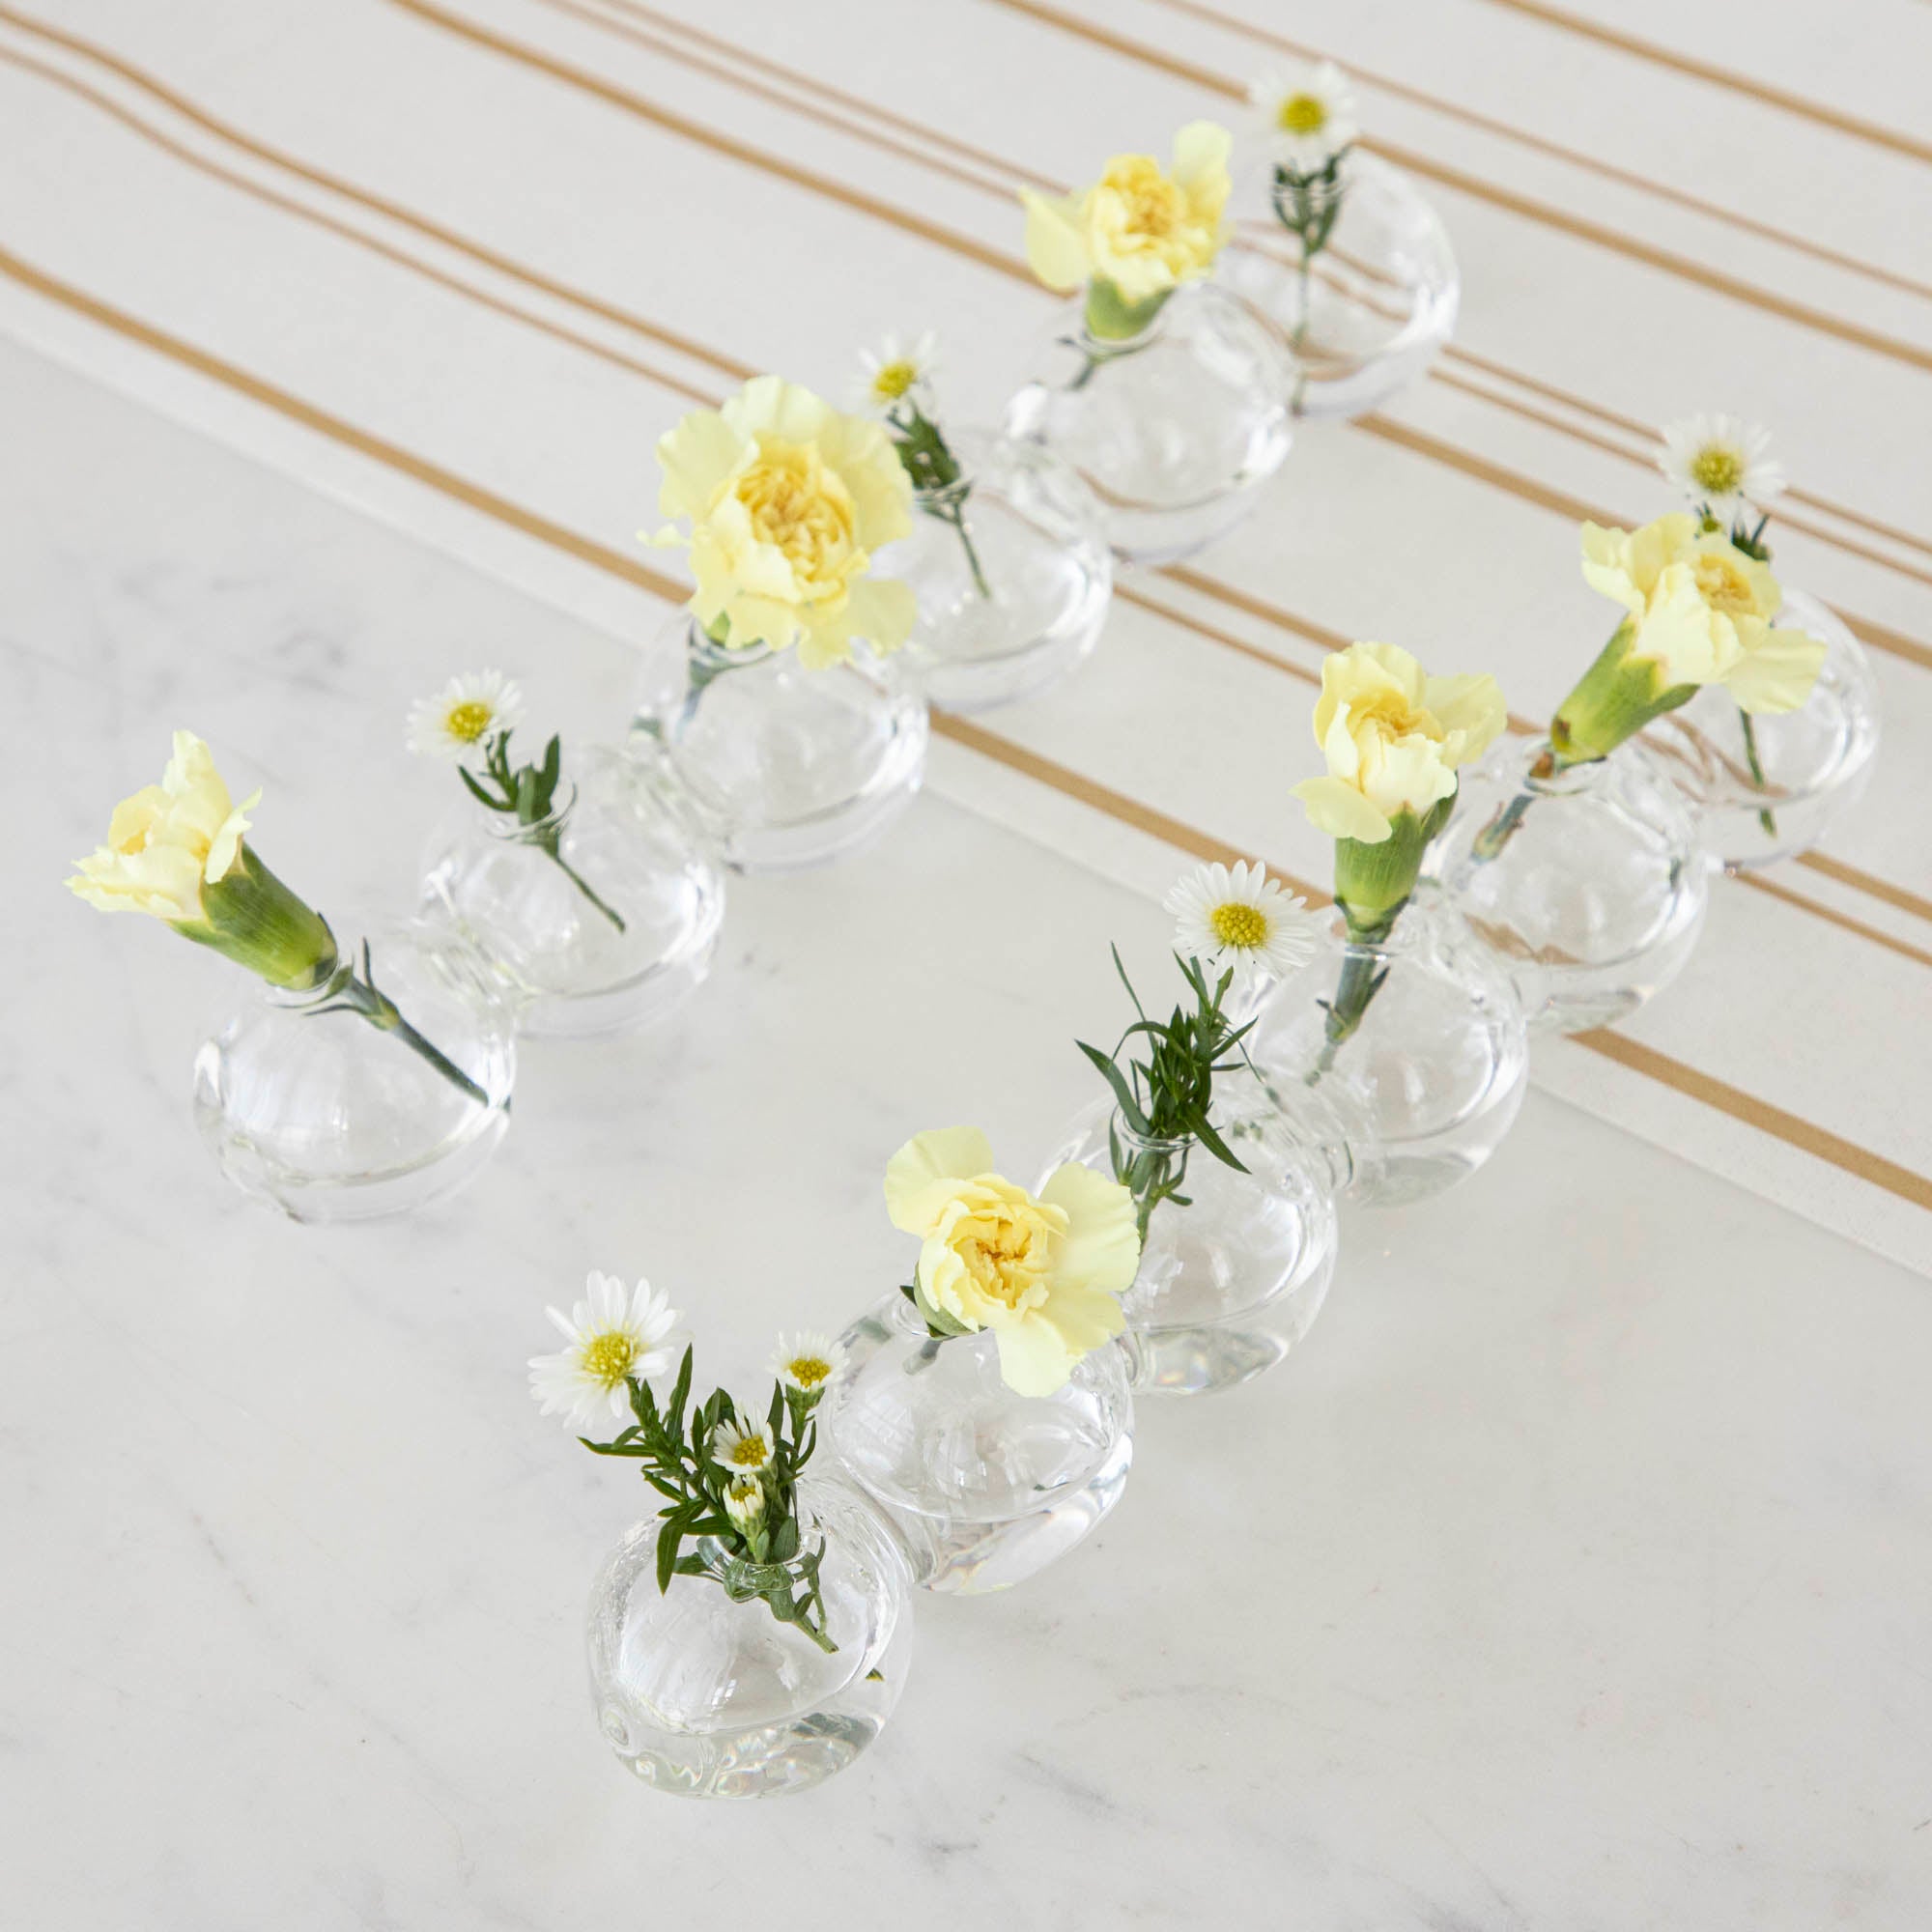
[[1229, 1282], [1173, 430], [1013, 574], [309, 1107], [771, 765], [708, 1698], [1590, 884], [1369, 308], [985, 1486], [1769, 786], [602, 918], [1399, 1063]]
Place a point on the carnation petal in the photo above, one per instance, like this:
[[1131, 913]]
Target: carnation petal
[[1342, 811], [1034, 1359], [1056, 249], [1778, 671], [919, 1177], [697, 458]]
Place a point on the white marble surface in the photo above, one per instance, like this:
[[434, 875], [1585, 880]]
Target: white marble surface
[[1573, 1574]]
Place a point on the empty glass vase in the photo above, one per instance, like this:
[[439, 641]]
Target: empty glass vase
[[1401, 1062], [1232, 1280], [1369, 308], [1175, 429], [1012, 573], [771, 765], [985, 1486], [311, 1105], [1766, 788], [601, 917], [1588, 883], [711, 1697]]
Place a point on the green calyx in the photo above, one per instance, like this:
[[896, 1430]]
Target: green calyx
[[1372, 883], [1111, 318], [1613, 701], [251, 917]]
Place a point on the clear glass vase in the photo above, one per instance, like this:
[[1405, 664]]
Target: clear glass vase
[[1229, 1282], [1401, 1062], [1012, 573], [309, 1105], [1175, 429], [1370, 309], [985, 1486], [1590, 884], [775, 766], [602, 916], [709, 1697], [1767, 787]]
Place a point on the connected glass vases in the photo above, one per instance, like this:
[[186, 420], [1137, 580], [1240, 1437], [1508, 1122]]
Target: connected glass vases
[[1402, 1061], [601, 917], [1589, 883], [1765, 787], [985, 1486], [310, 1104], [700, 1691], [1013, 574], [1368, 311], [1229, 1282], [1174, 429], [774, 766]]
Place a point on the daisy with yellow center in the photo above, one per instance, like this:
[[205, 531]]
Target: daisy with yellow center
[[1307, 116], [746, 1450], [615, 1336], [459, 720], [1241, 921], [1720, 466], [894, 370], [808, 1363], [744, 1501]]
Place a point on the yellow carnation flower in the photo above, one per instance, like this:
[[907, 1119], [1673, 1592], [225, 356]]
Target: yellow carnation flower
[[1043, 1273], [1138, 231], [787, 501], [1393, 738]]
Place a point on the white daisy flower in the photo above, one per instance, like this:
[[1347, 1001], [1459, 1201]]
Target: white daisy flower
[[1721, 462], [745, 1500], [1241, 919], [809, 1362], [893, 371], [746, 1450], [468, 709], [1308, 115], [612, 1335]]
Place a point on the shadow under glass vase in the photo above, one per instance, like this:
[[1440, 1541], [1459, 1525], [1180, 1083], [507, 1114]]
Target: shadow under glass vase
[[771, 765], [1366, 313], [1232, 1280], [1173, 430], [1769, 786], [1590, 884], [1412, 1091], [709, 1697], [602, 916], [309, 1107], [1013, 574], [985, 1486]]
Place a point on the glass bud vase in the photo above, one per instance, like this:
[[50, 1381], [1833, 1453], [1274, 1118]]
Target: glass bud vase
[[709, 1697], [1369, 311], [312, 1107], [1175, 429], [1229, 1282], [1590, 884], [1771, 792], [985, 1486], [1013, 574], [601, 917], [1413, 1090], [775, 766]]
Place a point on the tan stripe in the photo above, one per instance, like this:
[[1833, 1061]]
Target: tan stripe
[[1791, 1129], [661, 378], [1759, 883], [1865, 882], [376, 204], [1774, 1120], [727, 145], [1226, 638], [1509, 131], [1800, 105], [1768, 300]]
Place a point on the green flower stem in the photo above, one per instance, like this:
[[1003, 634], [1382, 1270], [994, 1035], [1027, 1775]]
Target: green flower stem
[[955, 515], [350, 993], [1766, 817], [549, 844], [1360, 982]]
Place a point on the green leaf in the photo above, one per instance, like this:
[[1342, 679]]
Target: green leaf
[[1124, 1095]]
